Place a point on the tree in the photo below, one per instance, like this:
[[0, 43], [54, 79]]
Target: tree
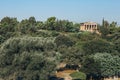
[[50, 23], [32, 20], [40, 25], [71, 55], [116, 41], [59, 26], [108, 29], [113, 24], [8, 27], [76, 27], [68, 26], [9, 24], [23, 26], [91, 68], [105, 23], [87, 36], [33, 55], [2, 39], [104, 31], [102, 65], [109, 64], [28, 26], [63, 40], [98, 45]]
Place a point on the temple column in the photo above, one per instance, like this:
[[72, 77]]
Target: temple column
[[92, 27], [85, 27]]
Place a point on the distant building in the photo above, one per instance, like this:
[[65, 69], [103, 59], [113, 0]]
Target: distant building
[[89, 26]]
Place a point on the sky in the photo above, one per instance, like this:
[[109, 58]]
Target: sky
[[72, 10]]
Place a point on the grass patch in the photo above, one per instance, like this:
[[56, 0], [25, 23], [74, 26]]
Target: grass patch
[[78, 75]]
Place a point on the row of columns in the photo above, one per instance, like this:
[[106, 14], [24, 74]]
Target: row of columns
[[90, 27]]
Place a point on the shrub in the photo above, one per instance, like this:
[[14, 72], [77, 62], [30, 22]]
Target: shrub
[[78, 75]]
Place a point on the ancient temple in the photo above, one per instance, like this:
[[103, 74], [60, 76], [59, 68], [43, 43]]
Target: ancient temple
[[89, 26]]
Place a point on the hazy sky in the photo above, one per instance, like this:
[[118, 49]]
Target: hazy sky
[[73, 10]]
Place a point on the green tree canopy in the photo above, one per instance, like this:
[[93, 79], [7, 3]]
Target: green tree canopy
[[28, 57], [97, 45], [63, 40], [102, 64]]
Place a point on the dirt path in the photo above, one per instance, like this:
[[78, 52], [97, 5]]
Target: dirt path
[[65, 74]]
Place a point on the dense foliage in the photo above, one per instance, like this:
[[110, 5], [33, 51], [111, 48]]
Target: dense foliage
[[33, 55], [32, 50], [102, 65]]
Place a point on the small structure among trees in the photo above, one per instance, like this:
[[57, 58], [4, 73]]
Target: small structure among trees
[[89, 26]]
